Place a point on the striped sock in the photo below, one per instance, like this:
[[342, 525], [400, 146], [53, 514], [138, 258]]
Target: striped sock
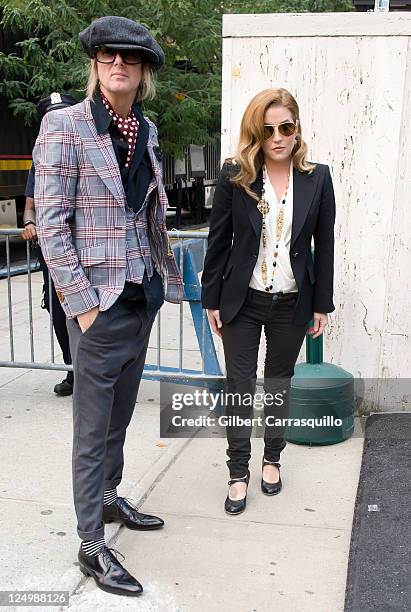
[[110, 496], [92, 547]]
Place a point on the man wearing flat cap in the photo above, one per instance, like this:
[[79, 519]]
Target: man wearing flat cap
[[101, 206]]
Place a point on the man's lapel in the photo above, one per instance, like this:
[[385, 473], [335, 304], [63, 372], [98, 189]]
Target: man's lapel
[[100, 152], [304, 188], [154, 153], [156, 182]]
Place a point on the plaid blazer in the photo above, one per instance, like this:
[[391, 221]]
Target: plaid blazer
[[81, 212]]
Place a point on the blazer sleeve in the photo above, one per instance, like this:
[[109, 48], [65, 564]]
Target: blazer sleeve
[[55, 159], [219, 239], [324, 249]]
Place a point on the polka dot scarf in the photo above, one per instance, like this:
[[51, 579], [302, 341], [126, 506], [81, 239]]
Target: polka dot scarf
[[127, 127]]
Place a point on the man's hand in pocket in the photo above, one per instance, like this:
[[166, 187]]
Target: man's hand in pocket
[[86, 319]]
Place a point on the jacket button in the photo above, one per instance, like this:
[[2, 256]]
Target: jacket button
[[295, 254], [255, 256]]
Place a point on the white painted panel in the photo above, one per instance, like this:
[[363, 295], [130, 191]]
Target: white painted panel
[[317, 24], [354, 97]]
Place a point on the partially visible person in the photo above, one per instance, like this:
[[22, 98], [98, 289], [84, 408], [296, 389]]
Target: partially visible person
[[65, 387]]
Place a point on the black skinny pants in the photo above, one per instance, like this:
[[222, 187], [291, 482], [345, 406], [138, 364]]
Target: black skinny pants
[[59, 316], [241, 340]]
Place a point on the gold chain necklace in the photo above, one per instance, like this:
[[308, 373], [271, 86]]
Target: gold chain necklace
[[264, 208]]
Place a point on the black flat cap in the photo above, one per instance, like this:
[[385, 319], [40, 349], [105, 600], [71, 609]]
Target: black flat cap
[[121, 33], [53, 102]]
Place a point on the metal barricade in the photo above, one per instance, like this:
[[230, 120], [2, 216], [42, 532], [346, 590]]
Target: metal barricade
[[189, 249]]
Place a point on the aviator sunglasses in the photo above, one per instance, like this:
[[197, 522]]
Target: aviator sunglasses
[[104, 55], [287, 128]]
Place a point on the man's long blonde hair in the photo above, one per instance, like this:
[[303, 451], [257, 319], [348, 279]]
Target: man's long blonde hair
[[145, 91], [250, 153]]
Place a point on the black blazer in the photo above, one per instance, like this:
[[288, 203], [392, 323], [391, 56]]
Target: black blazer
[[234, 240]]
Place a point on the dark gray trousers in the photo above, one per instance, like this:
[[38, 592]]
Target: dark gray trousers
[[108, 360]]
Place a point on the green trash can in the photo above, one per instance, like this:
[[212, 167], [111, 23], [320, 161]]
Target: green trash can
[[323, 395]]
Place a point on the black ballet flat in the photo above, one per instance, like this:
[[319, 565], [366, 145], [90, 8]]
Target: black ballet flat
[[236, 506], [271, 488]]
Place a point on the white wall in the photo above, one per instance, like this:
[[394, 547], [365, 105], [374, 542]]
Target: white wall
[[350, 74]]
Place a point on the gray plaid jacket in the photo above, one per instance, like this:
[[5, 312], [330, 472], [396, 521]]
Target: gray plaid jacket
[[81, 212]]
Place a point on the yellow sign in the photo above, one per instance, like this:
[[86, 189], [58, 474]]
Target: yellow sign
[[15, 164]]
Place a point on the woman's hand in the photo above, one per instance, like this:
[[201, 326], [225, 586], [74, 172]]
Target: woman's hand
[[320, 321], [215, 322]]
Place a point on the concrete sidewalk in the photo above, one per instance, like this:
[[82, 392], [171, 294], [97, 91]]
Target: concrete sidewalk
[[288, 552]]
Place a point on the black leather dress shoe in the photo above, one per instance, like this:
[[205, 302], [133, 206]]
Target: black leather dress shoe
[[236, 506], [121, 511], [271, 488], [64, 388], [108, 573]]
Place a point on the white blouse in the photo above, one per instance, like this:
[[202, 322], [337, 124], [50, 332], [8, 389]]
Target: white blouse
[[283, 276]]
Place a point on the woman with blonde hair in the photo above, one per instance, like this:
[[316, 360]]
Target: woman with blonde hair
[[258, 272]]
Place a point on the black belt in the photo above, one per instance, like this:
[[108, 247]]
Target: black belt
[[278, 294], [132, 292]]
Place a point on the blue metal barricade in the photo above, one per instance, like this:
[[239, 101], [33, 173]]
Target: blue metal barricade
[[189, 248]]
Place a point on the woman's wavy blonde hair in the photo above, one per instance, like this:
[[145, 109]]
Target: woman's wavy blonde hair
[[249, 152], [146, 90]]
